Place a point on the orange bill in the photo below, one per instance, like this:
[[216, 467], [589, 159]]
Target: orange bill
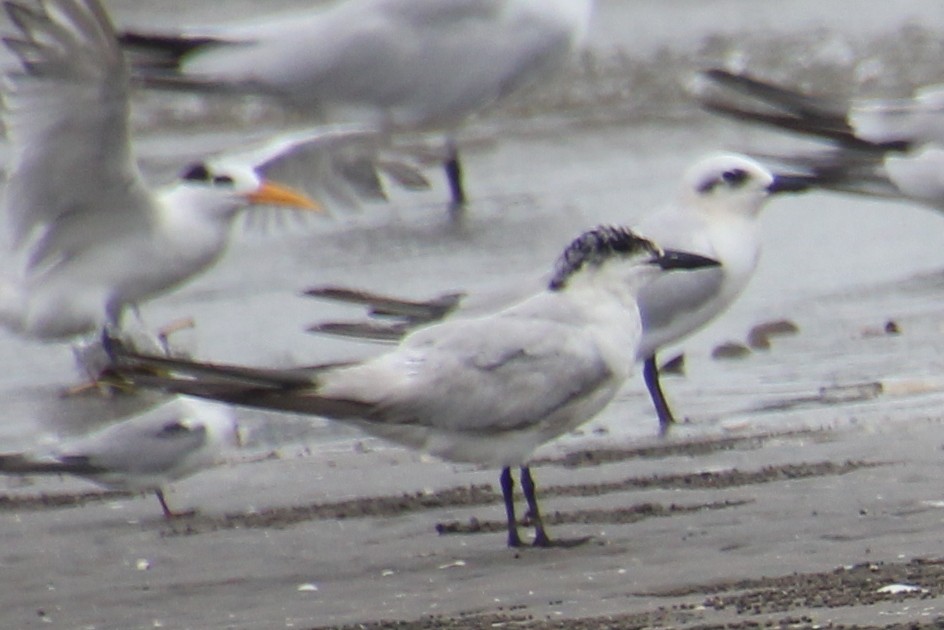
[[270, 193]]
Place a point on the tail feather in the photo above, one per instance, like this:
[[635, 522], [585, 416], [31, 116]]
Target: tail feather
[[787, 109], [841, 170], [292, 390], [368, 331], [161, 51], [21, 464], [417, 311], [831, 114]]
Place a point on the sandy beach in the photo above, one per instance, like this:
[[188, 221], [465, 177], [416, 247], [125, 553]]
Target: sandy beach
[[803, 490], [839, 528]]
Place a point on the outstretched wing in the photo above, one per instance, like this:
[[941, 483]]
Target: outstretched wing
[[347, 163], [73, 181]]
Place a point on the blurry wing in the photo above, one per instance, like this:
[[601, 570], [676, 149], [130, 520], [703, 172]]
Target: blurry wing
[[406, 58], [73, 181], [344, 162], [23, 464], [152, 443], [916, 120], [420, 311], [765, 103], [843, 170], [383, 332]]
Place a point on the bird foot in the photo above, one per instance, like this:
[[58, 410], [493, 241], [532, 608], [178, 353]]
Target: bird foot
[[168, 329]]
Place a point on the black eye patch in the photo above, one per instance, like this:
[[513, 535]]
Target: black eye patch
[[735, 177], [223, 180], [196, 173]]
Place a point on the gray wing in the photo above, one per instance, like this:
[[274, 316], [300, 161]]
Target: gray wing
[[675, 295], [73, 181], [501, 373], [345, 162], [154, 443], [386, 53]]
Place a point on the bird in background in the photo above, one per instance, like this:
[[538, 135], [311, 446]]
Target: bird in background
[[874, 147], [402, 65], [715, 214], [143, 453], [87, 236], [486, 390]]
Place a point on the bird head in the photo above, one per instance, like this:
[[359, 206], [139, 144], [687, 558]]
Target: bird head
[[217, 421], [632, 258], [734, 184], [228, 188]]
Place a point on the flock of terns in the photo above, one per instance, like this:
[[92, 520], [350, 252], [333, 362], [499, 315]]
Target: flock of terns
[[90, 240]]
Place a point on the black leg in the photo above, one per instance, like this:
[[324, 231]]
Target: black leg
[[454, 177], [541, 538], [168, 514], [650, 372], [508, 492]]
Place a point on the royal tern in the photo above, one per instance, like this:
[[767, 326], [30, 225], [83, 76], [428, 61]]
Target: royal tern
[[143, 453], [878, 148], [486, 390], [399, 64], [715, 214], [90, 238]]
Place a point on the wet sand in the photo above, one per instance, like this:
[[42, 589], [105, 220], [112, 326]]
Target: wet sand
[[806, 528]]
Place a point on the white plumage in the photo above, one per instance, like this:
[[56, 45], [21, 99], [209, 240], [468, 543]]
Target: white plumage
[[86, 236], [488, 389], [143, 453]]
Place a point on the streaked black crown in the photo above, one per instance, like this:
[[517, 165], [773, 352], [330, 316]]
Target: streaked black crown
[[595, 247]]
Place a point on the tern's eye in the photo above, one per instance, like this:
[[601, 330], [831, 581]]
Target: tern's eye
[[196, 173], [223, 180], [734, 177]]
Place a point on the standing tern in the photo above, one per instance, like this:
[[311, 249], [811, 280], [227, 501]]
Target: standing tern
[[486, 390], [399, 64], [715, 214], [90, 238], [143, 453], [878, 148]]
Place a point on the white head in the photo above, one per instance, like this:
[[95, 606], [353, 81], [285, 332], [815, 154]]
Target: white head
[[731, 183], [214, 419], [222, 190]]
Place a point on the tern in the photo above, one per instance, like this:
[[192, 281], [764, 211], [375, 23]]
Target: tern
[[88, 237], [714, 214], [486, 390], [400, 64], [877, 148], [143, 453]]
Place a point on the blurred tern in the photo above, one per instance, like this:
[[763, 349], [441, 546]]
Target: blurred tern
[[715, 214], [143, 453], [89, 237], [878, 148], [486, 390], [399, 64]]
